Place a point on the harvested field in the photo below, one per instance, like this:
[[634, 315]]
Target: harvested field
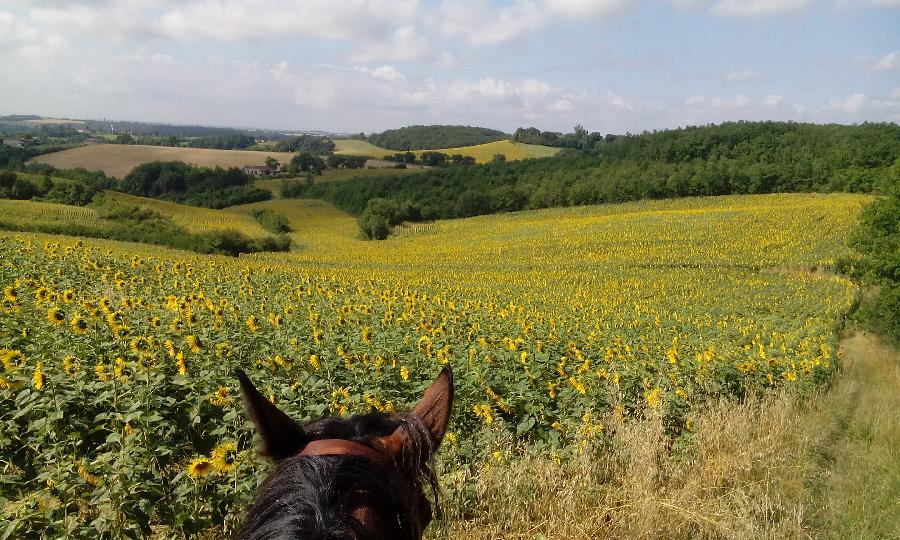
[[118, 160]]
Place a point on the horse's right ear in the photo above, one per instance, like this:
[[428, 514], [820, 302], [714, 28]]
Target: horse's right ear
[[282, 436]]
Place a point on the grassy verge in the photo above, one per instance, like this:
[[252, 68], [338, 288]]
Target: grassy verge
[[824, 467]]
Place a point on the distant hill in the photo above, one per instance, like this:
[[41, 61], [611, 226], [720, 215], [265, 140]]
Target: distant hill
[[733, 158], [435, 137], [19, 117]]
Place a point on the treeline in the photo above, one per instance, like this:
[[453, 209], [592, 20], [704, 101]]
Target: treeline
[[433, 159], [733, 158], [166, 130], [74, 186], [196, 186], [579, 138], [13, 157], [217, 142], [310, 144], [434, 137], [878, 240]]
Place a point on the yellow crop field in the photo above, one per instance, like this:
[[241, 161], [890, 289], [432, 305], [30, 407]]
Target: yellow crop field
[[355, 147], [192, 218], [559, 324], [117, 160], [42, 212], [481, 152], [486, 152]]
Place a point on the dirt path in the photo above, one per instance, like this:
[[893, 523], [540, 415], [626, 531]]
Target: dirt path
[[857, 486]]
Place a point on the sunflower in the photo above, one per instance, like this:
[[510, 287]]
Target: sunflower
[[68, 296], [79, 325], [200, 467], [220, 398], [252, 323], [182, 366], [194, 344], [38, 377], [12, 359], [55, 315], [224, 456]]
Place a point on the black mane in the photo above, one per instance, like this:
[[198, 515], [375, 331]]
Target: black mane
[[304, 496]]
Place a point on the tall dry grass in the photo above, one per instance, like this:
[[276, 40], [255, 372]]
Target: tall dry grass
[[827, 466], [740, 475]]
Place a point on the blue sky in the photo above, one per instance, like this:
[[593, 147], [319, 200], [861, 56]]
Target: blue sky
[[369, 65]]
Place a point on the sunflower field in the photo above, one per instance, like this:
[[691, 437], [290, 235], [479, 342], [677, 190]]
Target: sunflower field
[[119, 410]]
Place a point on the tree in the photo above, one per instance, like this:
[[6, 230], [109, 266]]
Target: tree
[[499, 158], [271, 163], [306, 163]]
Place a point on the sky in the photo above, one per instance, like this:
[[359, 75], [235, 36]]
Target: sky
[[614, 66]]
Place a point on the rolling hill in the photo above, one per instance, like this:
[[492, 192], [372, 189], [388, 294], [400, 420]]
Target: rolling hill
[[118, 160], [481, 152]]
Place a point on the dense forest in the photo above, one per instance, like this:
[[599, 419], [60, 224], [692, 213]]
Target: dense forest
[[434, 137], [878, 240], [197, 186], [733, 158]]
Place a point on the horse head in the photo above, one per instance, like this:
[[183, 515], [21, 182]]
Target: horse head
[[362, 477]]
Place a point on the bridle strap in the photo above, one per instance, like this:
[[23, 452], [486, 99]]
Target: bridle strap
[[342, 447]]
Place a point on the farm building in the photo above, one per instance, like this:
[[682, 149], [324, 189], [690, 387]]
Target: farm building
[[259, 170]]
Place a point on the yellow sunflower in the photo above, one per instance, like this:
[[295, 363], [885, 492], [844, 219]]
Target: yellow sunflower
[[200, 467], [224, 457]]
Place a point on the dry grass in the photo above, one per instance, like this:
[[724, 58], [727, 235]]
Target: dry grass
[[771, 468], [118, 160], [735, 479]]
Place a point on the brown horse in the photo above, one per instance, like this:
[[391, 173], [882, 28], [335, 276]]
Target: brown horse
[[362, 477]]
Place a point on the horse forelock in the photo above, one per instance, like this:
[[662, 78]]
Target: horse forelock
[[305, 496]]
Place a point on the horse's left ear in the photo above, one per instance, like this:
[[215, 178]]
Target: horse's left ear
[[281, 435], [433, 409], [436, 404]]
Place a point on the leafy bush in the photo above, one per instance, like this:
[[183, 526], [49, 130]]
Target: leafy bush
[[196, 186], [76, 187], [381, 215], [878, 239], [272, 221]]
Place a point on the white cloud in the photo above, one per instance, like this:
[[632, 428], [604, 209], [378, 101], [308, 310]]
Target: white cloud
[[888, 62], [744, 75], [773, 100], [851, 104], [478, 22], [404, 44], [354, 20], [757, 8]]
